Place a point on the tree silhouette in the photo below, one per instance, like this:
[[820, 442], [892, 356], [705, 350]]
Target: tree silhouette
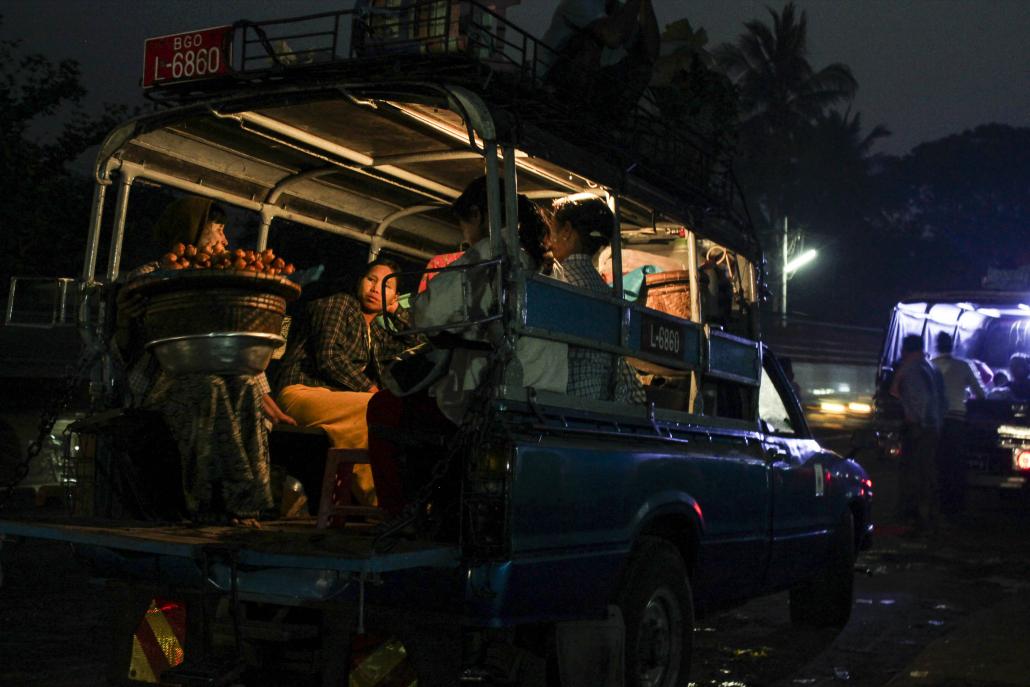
[[689, 89], [963, 202], [834, 167], [45, 211], [779, 89], [781, 94]]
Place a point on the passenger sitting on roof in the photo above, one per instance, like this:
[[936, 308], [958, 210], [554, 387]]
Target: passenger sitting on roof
[[578, 229], [605, 51], [334, 361]]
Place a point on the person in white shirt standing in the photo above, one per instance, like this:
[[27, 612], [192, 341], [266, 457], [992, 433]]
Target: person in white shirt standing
[[960, 383]]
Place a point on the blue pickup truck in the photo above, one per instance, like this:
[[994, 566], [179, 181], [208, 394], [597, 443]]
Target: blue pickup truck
[[578, 536]]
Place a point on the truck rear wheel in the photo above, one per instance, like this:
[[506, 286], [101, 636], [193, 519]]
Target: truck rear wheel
[[826, 601], [658, 611]]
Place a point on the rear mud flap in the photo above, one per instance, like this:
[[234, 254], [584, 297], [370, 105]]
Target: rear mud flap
[[591, 653]]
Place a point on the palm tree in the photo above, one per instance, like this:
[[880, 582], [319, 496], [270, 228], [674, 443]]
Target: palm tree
[[779, 89], [834, 165], [781, 96]]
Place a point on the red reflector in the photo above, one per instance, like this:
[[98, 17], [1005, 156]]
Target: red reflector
[[1023, 459]]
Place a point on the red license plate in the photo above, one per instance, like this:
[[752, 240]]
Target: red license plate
[[187, 56]]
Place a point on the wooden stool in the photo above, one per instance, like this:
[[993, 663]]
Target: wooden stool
[[336, 502]]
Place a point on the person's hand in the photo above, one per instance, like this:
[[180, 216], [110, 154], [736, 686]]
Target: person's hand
[[274, 413]]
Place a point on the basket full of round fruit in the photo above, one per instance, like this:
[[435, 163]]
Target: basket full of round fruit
[[215, 313]]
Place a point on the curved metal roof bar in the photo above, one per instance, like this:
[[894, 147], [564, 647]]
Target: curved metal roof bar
[[378, 242], [284, 184], [139, 171], [111, 144]]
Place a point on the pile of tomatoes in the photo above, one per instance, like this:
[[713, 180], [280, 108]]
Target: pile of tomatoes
[[188, 256]]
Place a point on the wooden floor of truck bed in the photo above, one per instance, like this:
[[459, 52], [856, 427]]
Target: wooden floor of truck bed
[[283, 543]]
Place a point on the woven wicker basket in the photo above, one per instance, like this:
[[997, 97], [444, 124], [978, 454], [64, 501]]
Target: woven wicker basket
[[668, 292], [191, 312], [194, 302]]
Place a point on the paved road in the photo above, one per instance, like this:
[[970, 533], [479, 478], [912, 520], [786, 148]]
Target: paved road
[[947, 611]]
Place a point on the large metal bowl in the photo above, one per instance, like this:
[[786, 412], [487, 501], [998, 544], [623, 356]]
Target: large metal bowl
[[223, 353]]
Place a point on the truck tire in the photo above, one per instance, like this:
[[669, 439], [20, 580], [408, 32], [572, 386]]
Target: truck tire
[[658, 611], [826, 600]]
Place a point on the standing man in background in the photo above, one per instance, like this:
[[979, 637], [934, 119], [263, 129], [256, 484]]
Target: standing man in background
[[920, 388], [960, 382]]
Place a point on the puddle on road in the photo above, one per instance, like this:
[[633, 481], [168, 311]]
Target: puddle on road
[[841, 674]]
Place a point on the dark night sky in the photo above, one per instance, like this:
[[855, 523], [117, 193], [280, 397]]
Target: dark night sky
[[926, 68]]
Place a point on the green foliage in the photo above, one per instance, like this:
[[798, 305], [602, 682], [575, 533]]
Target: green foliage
[[44, 217], [690, 92], [962, 201], [781, 97]]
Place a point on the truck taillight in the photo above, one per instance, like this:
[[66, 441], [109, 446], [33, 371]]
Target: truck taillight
[[1021, 459]]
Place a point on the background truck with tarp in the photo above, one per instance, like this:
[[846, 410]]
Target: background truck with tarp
[[988, 327]]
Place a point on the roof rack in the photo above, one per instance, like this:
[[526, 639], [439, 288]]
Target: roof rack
[[463, 42]]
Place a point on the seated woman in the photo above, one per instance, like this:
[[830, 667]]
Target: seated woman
[[334, 360], [1015, 386], [543, 363], [578, 229], [217, 421]]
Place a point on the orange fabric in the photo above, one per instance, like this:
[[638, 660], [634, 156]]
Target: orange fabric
[[437, 262], [342, 415]]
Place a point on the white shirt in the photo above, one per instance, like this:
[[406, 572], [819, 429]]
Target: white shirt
[[958, 375], [544, 363]]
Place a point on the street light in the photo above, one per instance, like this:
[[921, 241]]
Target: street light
[[800, 261], [789, 266]]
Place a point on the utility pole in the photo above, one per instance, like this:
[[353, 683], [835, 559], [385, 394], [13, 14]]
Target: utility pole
[[783, 275]]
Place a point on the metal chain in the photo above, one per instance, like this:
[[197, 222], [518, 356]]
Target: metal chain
[[472, 429], [52, 409]]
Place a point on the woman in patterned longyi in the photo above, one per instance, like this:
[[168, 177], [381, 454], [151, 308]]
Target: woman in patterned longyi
[[219, 422]]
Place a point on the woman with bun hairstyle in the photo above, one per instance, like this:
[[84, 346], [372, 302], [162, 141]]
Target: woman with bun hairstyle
[[579, 228]]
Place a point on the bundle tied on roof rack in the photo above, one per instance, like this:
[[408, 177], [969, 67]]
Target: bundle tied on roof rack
[[213, 322]]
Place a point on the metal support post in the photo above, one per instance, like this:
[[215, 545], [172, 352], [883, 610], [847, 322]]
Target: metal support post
[[783, 273]]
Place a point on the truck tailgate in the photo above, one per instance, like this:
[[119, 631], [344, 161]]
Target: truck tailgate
[[277, 544]]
